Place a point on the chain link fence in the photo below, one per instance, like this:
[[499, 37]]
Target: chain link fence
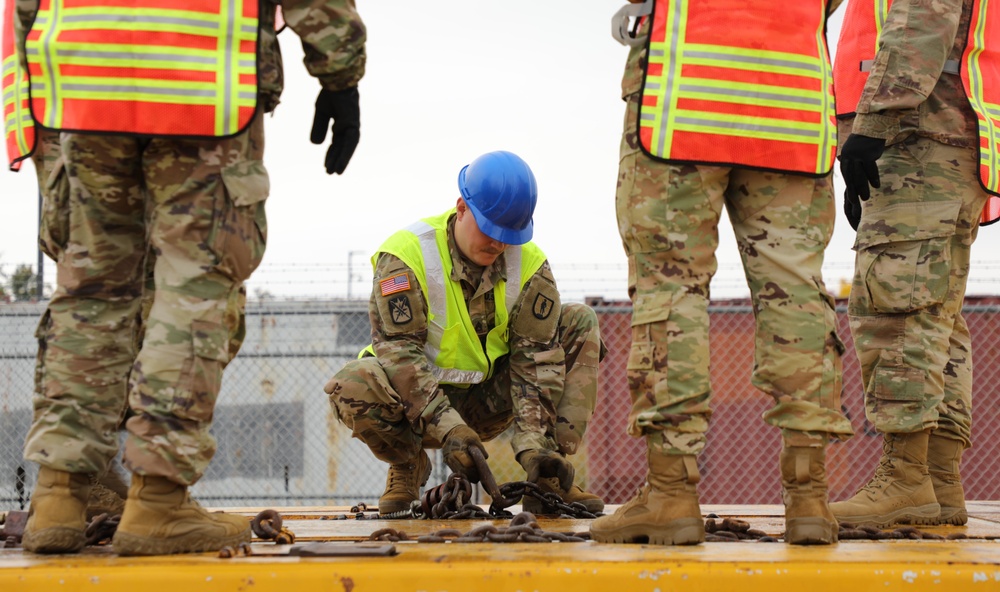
[[280, 444]]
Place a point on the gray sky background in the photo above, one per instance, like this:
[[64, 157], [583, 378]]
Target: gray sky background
[[445, 83]]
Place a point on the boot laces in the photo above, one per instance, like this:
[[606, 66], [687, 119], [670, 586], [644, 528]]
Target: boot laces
[[883, 471], [638, 499], [403, 475]]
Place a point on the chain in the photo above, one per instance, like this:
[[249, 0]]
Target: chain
[[448, 498], [450, 501], [849, 532], [731, 530], [269, 525], [102, 528], [523, 528], [552, 503], [243, 549]]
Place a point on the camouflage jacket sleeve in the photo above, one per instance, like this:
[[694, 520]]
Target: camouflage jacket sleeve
[[333, 38], [24, 15], [537, 362], [917, 39], [399, 332]]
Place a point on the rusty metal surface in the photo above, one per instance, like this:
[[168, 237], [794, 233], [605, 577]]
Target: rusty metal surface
[[13, 527]]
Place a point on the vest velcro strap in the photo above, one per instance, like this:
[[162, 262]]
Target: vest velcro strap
[[950, 66], [457, 376]]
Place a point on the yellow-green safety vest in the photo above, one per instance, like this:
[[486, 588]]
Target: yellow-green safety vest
[[453, 349]]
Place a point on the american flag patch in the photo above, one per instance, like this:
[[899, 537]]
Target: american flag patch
[[396, 283]]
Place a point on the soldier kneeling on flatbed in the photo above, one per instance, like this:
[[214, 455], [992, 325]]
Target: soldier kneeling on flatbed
[[469, 336]]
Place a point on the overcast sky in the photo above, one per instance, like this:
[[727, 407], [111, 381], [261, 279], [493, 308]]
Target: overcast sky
[[445, 83]]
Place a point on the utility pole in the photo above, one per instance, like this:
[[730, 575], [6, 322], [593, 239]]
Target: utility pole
[[351, 276]]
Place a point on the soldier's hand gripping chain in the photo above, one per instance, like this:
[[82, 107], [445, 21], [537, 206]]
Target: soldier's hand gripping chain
[[545, 464], [343, 108], [858, 160], [456, 451]]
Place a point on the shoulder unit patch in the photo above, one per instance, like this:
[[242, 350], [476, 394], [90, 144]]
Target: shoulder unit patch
[[399, 308], [542, 307]]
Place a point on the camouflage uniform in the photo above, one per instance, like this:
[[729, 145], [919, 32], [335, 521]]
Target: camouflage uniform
[[668, 217], [198, 207], [546, 386], [916, 232], [54, 186]]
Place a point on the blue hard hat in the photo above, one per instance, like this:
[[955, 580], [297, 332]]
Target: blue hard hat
[[500, 190]]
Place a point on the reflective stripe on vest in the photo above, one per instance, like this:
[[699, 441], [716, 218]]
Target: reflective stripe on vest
[[18, 127], [981, 79], [189, 70], [712, 95], [454, 352], [979, 69]]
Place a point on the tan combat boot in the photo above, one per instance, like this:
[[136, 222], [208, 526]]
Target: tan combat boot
[[808, 519], [160, 518], [402, 484], [57, 518], [576, 494], [665, 511], [900, 492], [107, 494], [944, 456]]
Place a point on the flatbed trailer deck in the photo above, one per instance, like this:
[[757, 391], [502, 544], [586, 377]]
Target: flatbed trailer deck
[[349, 561]]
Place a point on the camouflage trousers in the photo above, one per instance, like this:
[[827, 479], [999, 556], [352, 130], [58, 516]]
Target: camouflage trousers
[[365, 401], [911, 269], [54, 187], [54, 229], [668, 218], [198, 207]]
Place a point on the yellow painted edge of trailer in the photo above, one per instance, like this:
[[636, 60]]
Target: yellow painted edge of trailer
[[748, 567]]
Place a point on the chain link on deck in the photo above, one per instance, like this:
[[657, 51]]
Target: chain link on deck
[[523, 528], [731, 530], [550, 500], [450, 501], [269, 525], [849, 532], [102, 528]]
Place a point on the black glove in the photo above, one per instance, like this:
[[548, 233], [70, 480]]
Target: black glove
[[543, 464], [456, 451], [852, 209], [858, 165], [341, 106]]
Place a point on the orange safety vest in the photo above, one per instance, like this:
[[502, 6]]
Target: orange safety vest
[[981, 79], [979, 69], [169, 68], [18, 127], [739, 83]]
